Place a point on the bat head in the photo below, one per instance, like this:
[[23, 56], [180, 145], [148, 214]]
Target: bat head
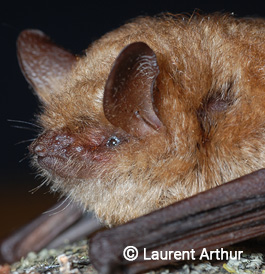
[[154, 112]]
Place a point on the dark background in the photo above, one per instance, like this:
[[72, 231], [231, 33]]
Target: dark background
[[74, 26]]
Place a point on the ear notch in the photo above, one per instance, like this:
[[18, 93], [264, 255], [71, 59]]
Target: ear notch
[[128, 96], [43, 63]]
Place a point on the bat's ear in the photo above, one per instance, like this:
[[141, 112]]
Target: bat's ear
[[43, 63], [128, 96]]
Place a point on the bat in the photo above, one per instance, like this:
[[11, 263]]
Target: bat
[[149, 125]]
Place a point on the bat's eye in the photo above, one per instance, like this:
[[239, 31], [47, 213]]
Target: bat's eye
[[113, 141]]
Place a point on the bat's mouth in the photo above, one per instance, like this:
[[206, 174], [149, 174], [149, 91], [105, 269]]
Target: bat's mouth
[[67, 168], [58, 166]]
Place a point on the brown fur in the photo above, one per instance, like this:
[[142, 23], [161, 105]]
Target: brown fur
[[210, 101]]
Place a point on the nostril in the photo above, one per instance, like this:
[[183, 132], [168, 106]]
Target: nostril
[[37, 149], [40, 150]]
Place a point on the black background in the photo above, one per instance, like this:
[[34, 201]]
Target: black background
[[73, 25]]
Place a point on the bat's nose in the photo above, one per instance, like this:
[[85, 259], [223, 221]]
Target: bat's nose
[[51, 143]]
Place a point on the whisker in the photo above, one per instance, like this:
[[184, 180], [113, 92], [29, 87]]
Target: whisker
[[27, 128], [62, 209], [24, 141], [24, 122], [24, 158], [35, 189], [53, 209], [58, 207], [45, 180]]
